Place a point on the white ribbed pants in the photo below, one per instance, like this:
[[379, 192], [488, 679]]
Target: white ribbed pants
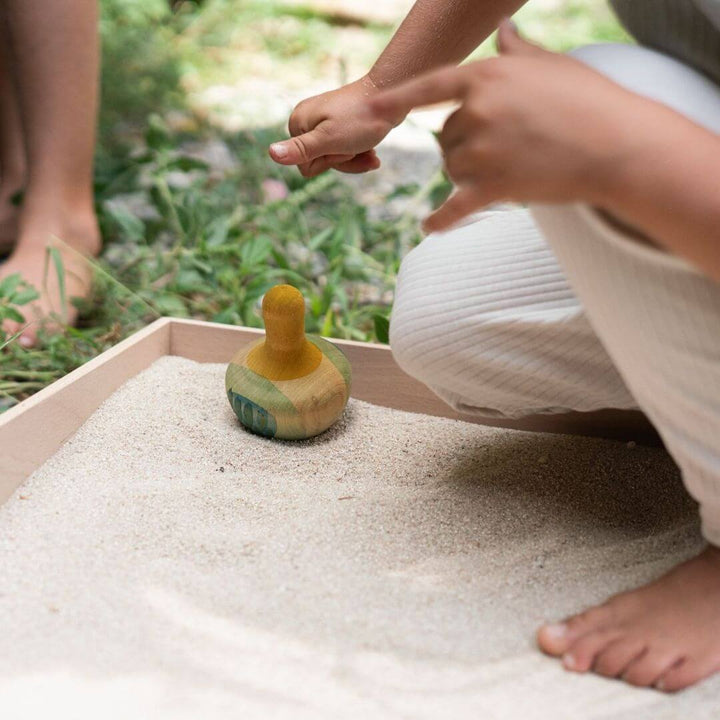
[[555, 309]]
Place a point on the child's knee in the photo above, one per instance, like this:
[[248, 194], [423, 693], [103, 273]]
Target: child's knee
[[419, 317], [659, 77], [440, 319]]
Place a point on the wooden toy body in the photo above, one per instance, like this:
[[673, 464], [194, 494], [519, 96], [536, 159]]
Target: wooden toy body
[[290, 409], [288, 385]]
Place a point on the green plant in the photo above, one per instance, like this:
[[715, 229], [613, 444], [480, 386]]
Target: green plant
[[14, 293]]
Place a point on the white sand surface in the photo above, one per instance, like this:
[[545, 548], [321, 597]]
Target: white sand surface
[[168, 564]]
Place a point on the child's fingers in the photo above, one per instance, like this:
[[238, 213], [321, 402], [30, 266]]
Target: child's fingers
[[449, 83], [509, 41], [304, 148], [456, 130], [455, 208], [353, 164], [321, 164], [364, 162]]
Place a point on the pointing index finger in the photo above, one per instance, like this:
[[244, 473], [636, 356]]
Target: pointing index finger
[[448, 83]]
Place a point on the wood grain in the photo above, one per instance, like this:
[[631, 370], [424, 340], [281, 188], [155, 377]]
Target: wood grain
[[295, 408], [288, 385]]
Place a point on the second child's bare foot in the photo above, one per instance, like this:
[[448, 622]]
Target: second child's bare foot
[[665, 634], [76, 241]]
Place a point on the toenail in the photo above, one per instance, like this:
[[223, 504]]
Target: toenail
[[660, 684], [568, 661], [556, 631], [25, 341]]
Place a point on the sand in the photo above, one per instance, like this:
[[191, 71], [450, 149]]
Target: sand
[[165, 563]]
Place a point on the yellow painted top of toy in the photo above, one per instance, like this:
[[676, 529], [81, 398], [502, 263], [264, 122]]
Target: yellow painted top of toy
[[288, 384], [286, 353]]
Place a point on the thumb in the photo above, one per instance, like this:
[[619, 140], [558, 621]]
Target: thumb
[[509, 41], [301, 149]]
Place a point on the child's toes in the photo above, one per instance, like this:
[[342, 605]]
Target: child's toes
[[553, 639], [614, 659], [684, 673], [648, 667], [10, 328], [27, 338], [581, 655], [556, 639]]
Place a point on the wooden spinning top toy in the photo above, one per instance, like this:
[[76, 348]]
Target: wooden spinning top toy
[[288, 385]]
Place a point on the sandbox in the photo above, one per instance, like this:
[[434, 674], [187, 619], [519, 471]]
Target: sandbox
[[166, 563]]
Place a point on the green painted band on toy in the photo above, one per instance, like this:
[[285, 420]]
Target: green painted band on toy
[[261, 391], [335, 355], [251, 415]]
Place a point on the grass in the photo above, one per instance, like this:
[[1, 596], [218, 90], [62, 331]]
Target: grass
[[186, 237]]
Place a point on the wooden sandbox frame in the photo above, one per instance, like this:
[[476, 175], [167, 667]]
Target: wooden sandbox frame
[[36, 428]]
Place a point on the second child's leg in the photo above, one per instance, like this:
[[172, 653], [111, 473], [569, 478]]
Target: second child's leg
[[54, 51], [12, 145]]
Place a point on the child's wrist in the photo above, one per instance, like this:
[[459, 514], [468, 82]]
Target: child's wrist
[[372, 86], [369, 82]]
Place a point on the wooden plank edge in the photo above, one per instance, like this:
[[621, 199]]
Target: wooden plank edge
[[36, 428], [377, 378]]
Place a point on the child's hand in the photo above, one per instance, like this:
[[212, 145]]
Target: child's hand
[[335, 130], [532, 126]]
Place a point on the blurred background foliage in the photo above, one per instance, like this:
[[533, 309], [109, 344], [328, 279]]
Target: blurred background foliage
[[196, 220]]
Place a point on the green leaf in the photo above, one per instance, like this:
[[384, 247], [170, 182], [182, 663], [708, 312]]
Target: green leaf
[[229, 316], [189, 281], [218, 232], [56, 258], [286, 275], [131, 226], [280, 259], [9, 284], [157, 136], [186, 164], [320, 238], [256, 250], [170, 305], [82, 337], [440, 192], [11, 313], [404, 190], [23, 297], [12, 338], [382, 328], [327, 323], [202, 266]]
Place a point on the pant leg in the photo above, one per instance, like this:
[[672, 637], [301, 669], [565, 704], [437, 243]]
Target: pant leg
[[483, 316], [658, 317]]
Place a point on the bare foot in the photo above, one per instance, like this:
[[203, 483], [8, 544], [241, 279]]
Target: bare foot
[[76, 242], [665, 634]]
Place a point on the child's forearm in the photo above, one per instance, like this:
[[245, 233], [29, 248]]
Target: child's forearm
[[671, 191], [438, 32]]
